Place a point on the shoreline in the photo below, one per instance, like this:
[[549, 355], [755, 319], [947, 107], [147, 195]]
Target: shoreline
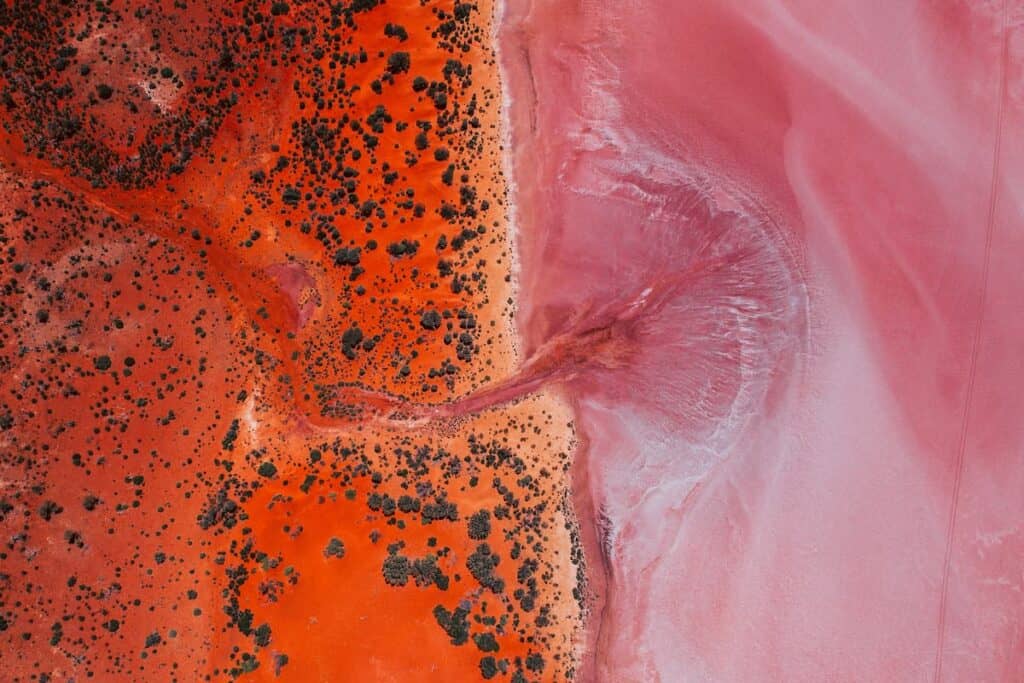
[[497, 20], [592, 572]]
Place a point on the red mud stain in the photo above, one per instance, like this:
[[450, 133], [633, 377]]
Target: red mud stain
[[300, 289]]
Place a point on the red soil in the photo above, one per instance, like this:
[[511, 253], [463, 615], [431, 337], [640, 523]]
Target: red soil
[[239, 241]]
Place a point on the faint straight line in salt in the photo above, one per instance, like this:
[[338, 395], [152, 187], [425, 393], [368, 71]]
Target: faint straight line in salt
[[975, 344]]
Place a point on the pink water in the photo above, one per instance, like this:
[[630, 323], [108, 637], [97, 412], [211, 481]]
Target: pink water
[[772, 249]]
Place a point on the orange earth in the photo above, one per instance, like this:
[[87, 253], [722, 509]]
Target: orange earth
[[244, 247]]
